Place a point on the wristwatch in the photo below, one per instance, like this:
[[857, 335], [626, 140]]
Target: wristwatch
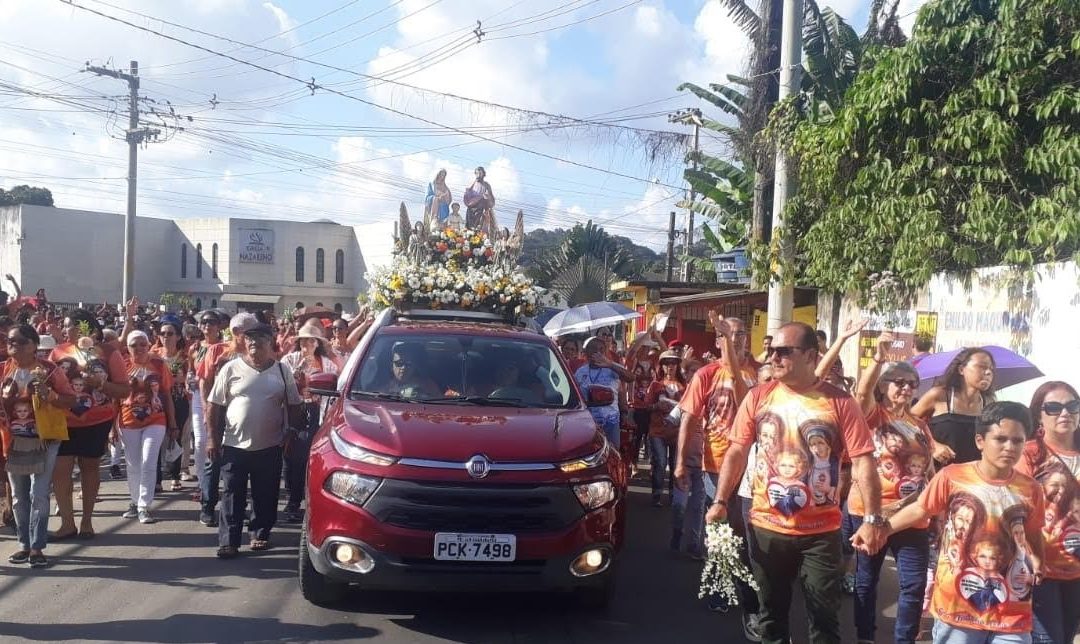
[[875, 520], [721, 503]]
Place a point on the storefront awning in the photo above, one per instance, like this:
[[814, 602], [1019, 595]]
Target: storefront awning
[[245, 297]]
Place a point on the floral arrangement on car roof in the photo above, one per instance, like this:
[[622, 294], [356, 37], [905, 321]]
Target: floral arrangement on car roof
[[454, 267]]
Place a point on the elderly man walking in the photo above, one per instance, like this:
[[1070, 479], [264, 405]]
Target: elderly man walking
[[253, 401], [802, 427]]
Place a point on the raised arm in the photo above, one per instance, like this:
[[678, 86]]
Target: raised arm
[[865, 393], [827, 360]]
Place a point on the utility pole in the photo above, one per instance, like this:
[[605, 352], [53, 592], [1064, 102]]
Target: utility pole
[[691, 116], [781, 290], [134, 136], [671, 246]]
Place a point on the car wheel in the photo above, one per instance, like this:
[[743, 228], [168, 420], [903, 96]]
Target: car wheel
[[314, 586]]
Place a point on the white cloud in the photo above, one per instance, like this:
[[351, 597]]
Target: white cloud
[[285, 23]]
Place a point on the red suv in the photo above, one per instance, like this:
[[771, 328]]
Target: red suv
[[459, 455]]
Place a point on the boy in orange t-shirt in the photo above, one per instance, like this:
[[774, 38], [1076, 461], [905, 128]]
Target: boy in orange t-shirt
[[991, 542]]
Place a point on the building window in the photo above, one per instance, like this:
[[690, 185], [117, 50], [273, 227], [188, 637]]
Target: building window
[[183, 261], [337, 308], [198, 262], [320, 266], [213, 261], [213, 304], [198, 304], [339, 267], [299, 263]]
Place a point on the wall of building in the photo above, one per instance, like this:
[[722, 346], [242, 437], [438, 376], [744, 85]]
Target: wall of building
[[998, 306]]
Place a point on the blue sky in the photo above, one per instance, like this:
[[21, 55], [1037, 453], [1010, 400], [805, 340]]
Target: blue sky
[[269, 148]]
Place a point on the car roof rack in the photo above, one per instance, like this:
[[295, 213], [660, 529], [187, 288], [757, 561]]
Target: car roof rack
[[453, 314]]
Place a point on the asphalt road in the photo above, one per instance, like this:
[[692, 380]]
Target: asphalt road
[[162, 583]]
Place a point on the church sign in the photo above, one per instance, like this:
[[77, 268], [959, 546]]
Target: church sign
[[256, 245]]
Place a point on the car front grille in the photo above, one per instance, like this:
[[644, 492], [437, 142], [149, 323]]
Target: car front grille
[[455, 507]]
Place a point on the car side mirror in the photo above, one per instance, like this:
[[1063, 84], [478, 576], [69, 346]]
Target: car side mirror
[[599, 396], [323, 384]]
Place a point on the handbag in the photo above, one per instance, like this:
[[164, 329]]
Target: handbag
[[51, 422]]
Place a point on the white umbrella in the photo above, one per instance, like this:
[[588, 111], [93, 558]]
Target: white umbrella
[[586, 317]]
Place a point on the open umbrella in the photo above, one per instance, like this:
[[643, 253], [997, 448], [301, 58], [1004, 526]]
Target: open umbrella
[[586, 317], [1010, 368]]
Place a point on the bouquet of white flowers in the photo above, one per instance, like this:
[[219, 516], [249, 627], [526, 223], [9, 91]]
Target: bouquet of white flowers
[[723, 564]]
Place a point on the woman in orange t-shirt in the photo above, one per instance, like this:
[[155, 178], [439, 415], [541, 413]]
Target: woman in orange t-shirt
[[1053, 459], [173, 351], [144, 416]]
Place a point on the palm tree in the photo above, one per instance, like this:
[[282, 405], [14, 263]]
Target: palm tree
[[583, 265]]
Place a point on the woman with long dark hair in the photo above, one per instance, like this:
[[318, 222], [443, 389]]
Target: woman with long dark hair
[[311, 355], [173, 350], [955, 401], [1053, 459], [663, 395]]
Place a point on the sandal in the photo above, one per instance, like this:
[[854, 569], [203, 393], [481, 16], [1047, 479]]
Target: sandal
[[196, 497], [260, 544], [176, 486], [38, 561], [86, 535], [56, 536], [19, 557], [227, 552]]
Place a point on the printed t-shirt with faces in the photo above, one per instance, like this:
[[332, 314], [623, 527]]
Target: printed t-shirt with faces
[[1059, 475], [92, 406], [802, 437], [711, 397], [19, 409], [178, 369], [984, 576], [904, 460], [671, 391], [145, 405]]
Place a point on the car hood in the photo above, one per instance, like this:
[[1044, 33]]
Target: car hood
[[457, 433]]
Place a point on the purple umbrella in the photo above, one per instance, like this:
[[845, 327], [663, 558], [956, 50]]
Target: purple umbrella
[[1010, 368]]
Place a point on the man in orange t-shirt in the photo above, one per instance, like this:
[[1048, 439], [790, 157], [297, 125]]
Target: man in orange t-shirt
[[795, 534], [992, 544]]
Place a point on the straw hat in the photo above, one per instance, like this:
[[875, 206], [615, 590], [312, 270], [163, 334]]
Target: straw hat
[[313, 329]]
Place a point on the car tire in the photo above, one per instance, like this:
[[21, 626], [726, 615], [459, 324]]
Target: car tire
[[314, 586]]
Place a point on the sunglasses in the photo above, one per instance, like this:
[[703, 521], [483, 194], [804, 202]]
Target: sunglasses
[[901, 383], [1055, 408], [206, 322], [784, 352]]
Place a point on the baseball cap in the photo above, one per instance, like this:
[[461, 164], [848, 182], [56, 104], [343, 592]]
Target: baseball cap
[[259, 329]]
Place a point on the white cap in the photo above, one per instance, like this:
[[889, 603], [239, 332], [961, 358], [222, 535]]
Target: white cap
[[47, 342], [135, 335]]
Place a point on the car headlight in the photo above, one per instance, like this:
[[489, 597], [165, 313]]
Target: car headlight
[[595, 459], [354, 488], [356, 453], [595, 494]]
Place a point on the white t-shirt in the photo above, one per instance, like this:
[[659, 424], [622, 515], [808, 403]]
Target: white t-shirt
[[254, 402]]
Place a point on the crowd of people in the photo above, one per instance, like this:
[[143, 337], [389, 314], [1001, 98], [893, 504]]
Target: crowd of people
[[977, 500], [202, 398]]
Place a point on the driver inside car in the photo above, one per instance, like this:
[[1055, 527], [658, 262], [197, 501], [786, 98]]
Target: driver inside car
[[407, 367], [507, 383]]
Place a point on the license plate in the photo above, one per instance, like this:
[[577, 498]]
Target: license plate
[[456, 546]]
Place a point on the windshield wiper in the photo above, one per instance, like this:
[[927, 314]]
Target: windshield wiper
[[380, 396], [478, 400]]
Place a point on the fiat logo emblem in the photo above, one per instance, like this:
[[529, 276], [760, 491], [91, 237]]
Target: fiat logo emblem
[[478, 467]]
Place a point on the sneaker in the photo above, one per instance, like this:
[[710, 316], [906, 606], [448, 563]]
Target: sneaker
[[208, 520], [751, 627], [144, 517], [114, 472], [38, 561], [20, 557], [132, 512]]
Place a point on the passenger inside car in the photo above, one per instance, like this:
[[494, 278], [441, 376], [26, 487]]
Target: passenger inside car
[[409, 377]]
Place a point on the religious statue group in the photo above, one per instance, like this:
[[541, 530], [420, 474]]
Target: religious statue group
[[441, 212]]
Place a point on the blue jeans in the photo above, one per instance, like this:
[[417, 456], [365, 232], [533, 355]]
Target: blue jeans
[[209, 486], [30, 502], [693, 535], [662, 456], [911, 549], [610, 427], [1056, 604], [949, 634]]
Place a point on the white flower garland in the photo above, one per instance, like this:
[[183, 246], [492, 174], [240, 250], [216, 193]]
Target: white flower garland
[[723, 564]]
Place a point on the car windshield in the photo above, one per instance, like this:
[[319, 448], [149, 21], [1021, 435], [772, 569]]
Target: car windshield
[[463, 369]]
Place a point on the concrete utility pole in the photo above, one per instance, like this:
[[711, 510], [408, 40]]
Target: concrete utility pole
[[134, 136], [670, 273], [692, 117], [781, 291]]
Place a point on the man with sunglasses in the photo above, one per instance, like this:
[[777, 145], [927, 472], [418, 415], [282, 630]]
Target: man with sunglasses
[[796, 534]]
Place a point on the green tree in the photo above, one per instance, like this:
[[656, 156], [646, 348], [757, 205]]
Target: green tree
[[28, 195], [583, 264], [958, 150]]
